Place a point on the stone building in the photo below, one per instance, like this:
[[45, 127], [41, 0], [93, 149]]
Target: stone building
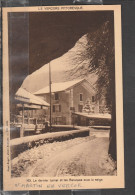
[[67, 98]]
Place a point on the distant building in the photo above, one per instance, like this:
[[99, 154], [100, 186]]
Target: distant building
[[69, 97]]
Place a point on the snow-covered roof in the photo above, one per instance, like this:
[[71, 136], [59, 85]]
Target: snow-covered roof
[[56, 87], [27, 97], [94, 115]]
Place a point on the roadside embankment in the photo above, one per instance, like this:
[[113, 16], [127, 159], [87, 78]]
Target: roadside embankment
[[19, 145]]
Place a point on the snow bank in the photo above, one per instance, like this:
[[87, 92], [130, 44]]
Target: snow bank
[[19, 145]]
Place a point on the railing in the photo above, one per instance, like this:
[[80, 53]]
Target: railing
[[28, 120]]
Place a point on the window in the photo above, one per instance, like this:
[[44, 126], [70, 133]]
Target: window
[[57, 108], [81, 97], [93, 99], [80, 108], [53, 108], [56, 96]]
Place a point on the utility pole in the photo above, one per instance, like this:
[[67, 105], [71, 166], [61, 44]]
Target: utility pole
[[50, 96], [22, 127]]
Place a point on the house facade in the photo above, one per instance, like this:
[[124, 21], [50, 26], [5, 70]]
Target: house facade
[[69, 97]]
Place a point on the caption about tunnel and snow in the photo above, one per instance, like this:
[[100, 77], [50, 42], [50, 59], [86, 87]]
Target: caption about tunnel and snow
[[57, 183]]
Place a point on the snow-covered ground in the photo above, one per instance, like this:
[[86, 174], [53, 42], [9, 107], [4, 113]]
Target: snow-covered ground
[[75, 157], [99, 133]]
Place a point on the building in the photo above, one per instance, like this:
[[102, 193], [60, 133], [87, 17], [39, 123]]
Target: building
[[23, 115], [30, 103], [69, 97]]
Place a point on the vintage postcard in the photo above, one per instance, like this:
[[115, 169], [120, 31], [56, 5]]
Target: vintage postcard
[[62, 98]]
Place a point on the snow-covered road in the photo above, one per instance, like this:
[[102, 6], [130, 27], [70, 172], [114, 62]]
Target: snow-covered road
[[80, 156]]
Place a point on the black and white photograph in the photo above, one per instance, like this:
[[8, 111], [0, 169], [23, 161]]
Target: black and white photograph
[[62, 94]]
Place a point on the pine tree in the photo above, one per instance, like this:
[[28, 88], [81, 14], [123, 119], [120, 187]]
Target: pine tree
[[87, 107], [98, 57]]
